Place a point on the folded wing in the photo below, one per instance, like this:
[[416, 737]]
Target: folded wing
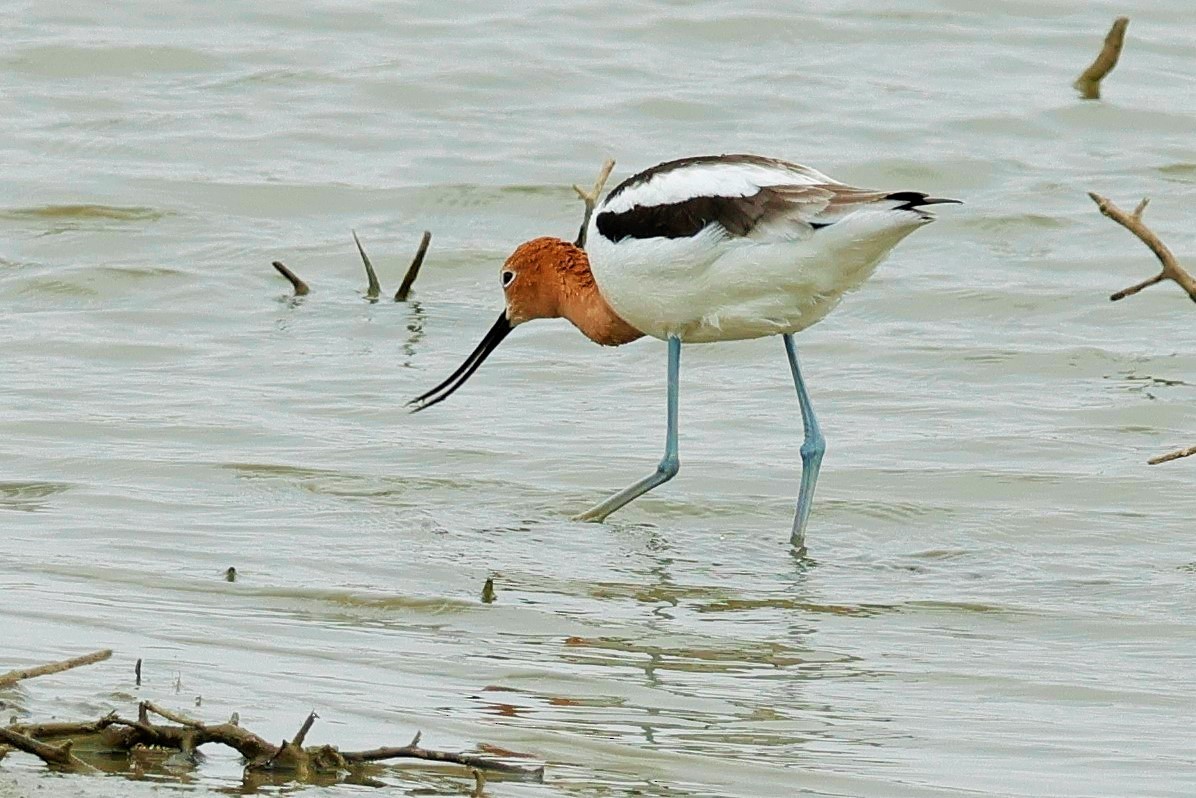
[[745, 196]]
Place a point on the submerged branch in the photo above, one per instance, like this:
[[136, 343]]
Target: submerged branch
[[1088, 84], [590, 198], [1133, 222], [58, 756], [373, 290], [12, 677], [301, 288], [413, 270]]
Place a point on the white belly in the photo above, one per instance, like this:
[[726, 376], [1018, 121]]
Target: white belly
[[711, 287]]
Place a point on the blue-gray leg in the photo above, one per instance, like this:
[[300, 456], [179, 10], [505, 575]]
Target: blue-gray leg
[[669, 465], [812, 449]]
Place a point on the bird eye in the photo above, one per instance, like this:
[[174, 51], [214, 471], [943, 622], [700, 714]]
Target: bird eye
[[507, 277]]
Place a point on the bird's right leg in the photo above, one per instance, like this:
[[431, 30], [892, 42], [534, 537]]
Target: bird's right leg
[[812, 449], [669, 465]]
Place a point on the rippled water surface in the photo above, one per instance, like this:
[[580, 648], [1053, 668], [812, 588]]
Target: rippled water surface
[[999, 595]]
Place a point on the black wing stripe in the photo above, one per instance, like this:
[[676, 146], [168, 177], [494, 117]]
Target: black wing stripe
[[736, 215]]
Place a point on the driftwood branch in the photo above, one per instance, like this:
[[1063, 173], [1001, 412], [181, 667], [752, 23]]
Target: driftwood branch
[[1177, 454], [301, 288], [413, 270], [1088, 84], [57, 729], [590, 198], [1133, 222], [12, 677], [291, 759], [373, 290]]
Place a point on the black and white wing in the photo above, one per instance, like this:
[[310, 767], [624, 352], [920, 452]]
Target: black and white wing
[[746, 196]]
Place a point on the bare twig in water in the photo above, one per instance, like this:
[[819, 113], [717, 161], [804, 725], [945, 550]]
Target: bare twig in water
[[1165, 458], [374, 289], [58, 756], [12, 677], [590, 198], [1088, 84], [413, 270], [1133, 222], [479, 784], [301, 288]]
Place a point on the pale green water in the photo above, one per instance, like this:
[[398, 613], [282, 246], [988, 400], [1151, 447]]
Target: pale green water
[[1000, 596]]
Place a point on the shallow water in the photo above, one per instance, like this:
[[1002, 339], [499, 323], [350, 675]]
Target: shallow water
[[999, 595]]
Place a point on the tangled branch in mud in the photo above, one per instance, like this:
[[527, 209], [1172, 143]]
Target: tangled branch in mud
[[1088, 84], [292, 758], [53, 742]]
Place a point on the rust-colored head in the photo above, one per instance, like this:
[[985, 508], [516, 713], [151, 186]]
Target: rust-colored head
[[545, 278], [540, 276]]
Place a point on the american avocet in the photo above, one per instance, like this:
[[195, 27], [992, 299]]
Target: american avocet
[[714, 248]]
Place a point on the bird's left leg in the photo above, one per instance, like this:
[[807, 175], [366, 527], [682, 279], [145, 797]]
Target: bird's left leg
[[669, 464], [812, 449]]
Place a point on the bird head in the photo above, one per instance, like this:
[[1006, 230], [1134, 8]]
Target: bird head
[[534, 279]]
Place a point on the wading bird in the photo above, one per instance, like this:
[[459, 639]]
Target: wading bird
[[713, 248]]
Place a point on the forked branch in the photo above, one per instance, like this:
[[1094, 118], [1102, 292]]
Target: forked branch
[[590, 198], [1133, 222], [1171, 271]]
